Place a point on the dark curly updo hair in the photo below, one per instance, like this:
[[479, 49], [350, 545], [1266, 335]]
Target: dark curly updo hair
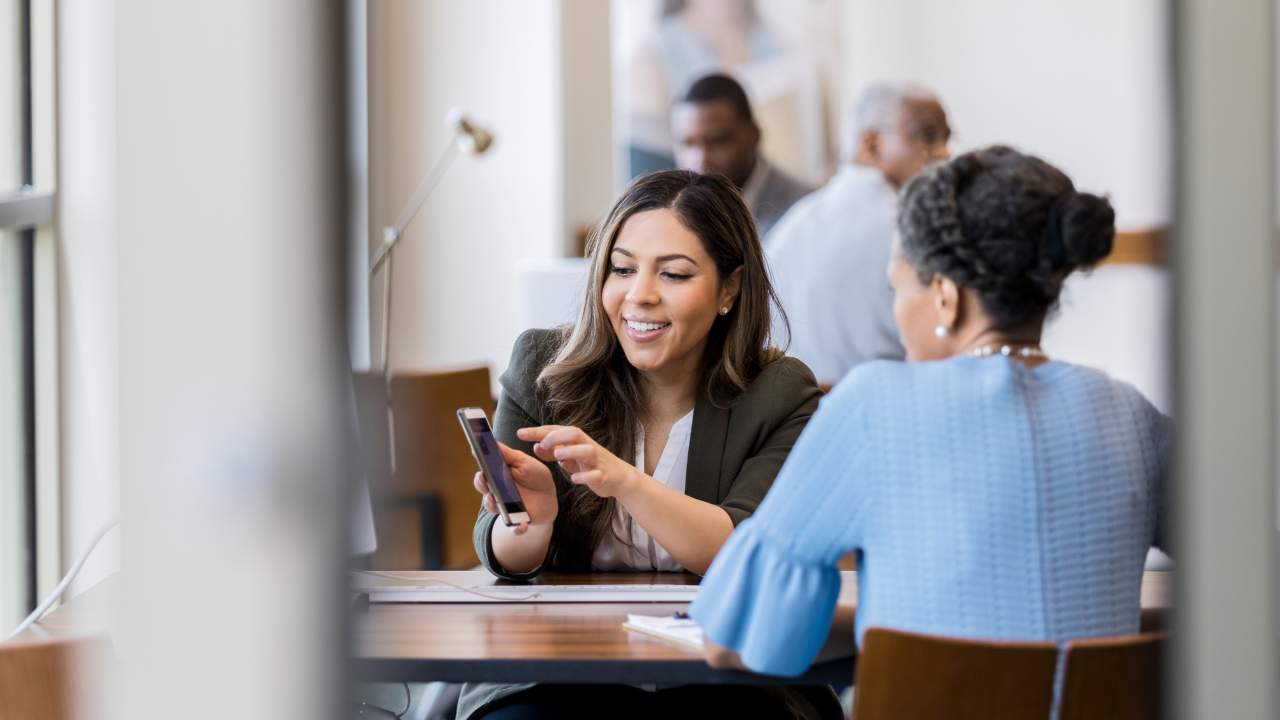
[[1010, 227]]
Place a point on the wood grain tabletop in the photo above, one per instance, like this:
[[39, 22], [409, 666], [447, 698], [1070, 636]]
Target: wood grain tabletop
[[524, 642], [538, 642]]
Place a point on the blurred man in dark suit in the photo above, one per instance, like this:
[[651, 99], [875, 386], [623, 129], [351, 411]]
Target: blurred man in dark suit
[[715, 131]]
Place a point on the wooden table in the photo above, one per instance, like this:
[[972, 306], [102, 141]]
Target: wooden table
[[562, 642], [542, 642], [511, 642]]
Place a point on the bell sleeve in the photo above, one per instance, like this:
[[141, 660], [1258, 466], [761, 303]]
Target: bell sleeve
[[773, 609]]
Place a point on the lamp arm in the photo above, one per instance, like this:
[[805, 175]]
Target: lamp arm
[[383, 257], [476, 140], [392, 234]]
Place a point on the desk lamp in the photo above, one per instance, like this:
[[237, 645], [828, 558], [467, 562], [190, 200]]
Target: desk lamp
[[469, 138]]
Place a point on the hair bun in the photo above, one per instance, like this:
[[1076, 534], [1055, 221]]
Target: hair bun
[[1009, 226], [1082, 229]]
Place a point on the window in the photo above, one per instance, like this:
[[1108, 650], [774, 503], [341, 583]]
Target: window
[[29, 507]]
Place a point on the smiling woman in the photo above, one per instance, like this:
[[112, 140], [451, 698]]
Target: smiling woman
[[644, 433], [662, 307]]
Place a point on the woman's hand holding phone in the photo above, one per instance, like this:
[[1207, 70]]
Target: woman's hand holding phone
[[587, 462], [536, 487]]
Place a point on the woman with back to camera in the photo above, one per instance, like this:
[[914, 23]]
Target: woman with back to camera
[[988, 491], [640, 436]]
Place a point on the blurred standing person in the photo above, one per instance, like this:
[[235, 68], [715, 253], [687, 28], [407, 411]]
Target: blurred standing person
[[715, 131], [693, 38], [828, 254], [684, 40]]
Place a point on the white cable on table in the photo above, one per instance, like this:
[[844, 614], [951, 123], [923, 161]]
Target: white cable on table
[[417, 578], [71, 575]]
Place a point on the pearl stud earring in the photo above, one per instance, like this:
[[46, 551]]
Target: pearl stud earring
[[724, 310], [941, 331]]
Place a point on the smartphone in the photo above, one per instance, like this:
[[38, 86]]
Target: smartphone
[[496, 473]]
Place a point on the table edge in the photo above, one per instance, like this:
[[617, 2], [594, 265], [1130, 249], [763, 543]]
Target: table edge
[[693, 671]]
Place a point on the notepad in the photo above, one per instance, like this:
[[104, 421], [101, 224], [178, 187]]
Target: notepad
[[681, 631]]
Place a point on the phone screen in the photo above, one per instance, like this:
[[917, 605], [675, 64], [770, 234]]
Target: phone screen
[[491, 456]]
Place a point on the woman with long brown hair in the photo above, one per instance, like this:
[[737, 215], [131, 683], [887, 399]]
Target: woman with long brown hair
[[643, 434]]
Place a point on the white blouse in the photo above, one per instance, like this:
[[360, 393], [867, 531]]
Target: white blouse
[[644, 554]]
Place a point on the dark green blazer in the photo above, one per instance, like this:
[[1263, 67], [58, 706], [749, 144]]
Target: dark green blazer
[[734, 453]]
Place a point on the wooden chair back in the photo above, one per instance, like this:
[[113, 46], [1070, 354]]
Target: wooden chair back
[[428, 501], [47, 678], [906, 676], [1113, 678]]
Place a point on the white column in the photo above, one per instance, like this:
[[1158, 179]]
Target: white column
[[358, 183], [231, 235], [1225, 285]]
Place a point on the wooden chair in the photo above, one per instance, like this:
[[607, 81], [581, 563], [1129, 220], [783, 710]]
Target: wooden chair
[[47, 678], [423, 512], [905, 676], [1113, 678]]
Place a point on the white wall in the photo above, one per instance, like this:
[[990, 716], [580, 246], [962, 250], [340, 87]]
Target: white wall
[[1085, 84], [455, 291], [1116, 319]]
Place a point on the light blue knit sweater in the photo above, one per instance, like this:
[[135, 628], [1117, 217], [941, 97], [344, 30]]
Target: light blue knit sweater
[[985, 500]]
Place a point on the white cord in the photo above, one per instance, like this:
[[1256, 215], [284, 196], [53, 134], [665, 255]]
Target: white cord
[[382, 573], [71, 575]]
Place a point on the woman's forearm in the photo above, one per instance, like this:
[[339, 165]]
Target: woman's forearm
[[839, 644], [690, 530], [520, 553]]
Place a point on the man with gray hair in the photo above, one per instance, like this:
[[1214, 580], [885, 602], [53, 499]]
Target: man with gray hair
[[829, 253]]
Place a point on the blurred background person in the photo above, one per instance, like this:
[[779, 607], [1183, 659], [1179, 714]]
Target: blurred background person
[[828, 254], [715, 131], [782, 52]]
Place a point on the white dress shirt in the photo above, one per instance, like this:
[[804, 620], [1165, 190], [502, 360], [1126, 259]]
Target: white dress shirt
[[827, 258], [755, 183], [645, 554]]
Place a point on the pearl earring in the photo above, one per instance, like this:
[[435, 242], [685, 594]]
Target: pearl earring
[[941, 331], [724, 310]]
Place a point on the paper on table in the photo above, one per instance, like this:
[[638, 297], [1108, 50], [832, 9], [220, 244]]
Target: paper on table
[[682, 632]]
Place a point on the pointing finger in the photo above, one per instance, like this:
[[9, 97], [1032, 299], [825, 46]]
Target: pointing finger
[[564, 436], [535, 434], [576, 452]]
